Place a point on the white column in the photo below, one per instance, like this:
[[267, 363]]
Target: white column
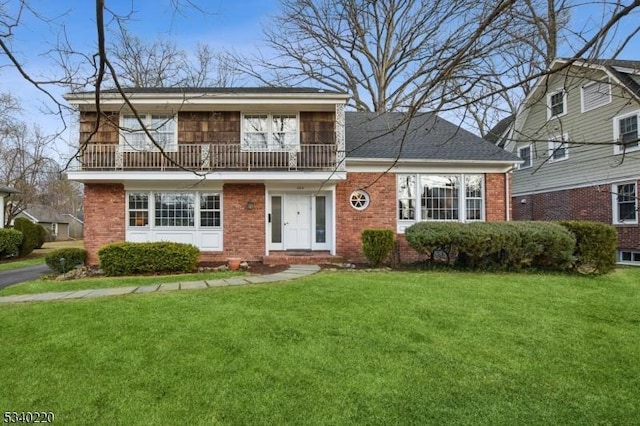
[[340, 145]]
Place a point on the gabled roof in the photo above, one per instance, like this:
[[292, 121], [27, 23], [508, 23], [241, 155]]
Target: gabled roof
[[498, 134], [426, 136], [42, 214]]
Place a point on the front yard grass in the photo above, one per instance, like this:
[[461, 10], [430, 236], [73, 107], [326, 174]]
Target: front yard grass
[[7, 265], [37, 256], [336, 348]]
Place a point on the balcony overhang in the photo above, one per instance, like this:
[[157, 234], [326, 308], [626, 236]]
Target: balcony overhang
[[89, 176]]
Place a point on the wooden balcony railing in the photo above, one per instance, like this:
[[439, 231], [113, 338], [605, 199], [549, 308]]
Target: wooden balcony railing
[[207, 157]]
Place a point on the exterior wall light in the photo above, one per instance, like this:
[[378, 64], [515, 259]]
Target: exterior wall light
[[249, 205]]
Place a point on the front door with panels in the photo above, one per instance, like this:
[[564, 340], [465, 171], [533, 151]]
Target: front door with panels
[[290, 222], [297, 222]]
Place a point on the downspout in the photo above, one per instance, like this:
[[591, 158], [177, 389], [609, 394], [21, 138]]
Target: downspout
[[507, 196]]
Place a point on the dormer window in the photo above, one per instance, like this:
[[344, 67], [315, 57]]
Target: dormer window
[[556, 104], [270, 132], [162, 127]]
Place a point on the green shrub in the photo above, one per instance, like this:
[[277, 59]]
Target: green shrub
[[10, 242], [377, 244], [147, 258], [72, 258], [596, 245], [30, 233], [494, 245], [42, 236]]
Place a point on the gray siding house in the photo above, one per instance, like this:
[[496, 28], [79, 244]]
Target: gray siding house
[[577, 134]]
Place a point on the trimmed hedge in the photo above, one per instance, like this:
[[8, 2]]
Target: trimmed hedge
[[494, 245], [10, 242], [377, 244], [596, 245], [72, 258], [42, 236], [30, 233], [147, 258]]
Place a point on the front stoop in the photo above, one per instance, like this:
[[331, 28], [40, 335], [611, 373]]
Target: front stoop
[[300, 258]]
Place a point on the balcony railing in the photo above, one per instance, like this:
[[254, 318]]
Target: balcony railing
[[207, 157]]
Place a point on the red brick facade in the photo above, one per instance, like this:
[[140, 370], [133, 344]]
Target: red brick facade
[[104, 217], [244, 228], [589, 203], [381, 213]]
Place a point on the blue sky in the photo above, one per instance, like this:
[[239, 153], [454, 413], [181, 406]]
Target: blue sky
[[225, 24]]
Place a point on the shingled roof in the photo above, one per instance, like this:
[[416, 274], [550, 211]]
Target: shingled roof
[[425, 137]]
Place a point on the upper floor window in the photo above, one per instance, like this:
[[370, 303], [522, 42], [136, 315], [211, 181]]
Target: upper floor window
[[625, 132], [556, 104], [524, 152], [625, 203], [270, 132], [161, 127], [594, 95], [558, 148]]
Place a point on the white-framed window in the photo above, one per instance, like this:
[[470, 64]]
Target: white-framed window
[[625, 132], [595, 94], [625, 203], [138, 209], [172, 209], [162, 127], [629, 257], [270, 132], [210, 210], [54, 229], [451, 197], [525, 154], [556, 104], [558, 148], [359, 199]]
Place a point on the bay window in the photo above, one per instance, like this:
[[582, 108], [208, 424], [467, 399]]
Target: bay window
[[451, 197], [177, 210]]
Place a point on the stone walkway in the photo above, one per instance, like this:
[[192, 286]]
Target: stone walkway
[[294, 271]]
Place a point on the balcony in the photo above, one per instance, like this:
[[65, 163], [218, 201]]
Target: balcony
[[207, 157]]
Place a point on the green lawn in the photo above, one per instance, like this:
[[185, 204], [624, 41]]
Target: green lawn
[[21, 263], [336, 348]]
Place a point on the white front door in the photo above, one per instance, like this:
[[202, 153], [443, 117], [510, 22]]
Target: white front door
[[297, 222]]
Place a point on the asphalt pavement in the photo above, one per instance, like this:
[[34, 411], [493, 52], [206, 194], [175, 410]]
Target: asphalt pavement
[[15, 276]]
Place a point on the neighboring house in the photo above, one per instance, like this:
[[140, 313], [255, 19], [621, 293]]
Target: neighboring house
[[275, 174], [577, 135], [5, 191], [57, 225], [76, 226]]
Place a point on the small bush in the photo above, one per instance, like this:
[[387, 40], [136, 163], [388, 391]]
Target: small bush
[[494, 245], [147, 258], [10, 242], [30, 233], [42, 236], [377, 244], [72, 258], [596, 245]]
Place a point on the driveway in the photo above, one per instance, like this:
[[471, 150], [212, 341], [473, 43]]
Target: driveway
[[15, 276]]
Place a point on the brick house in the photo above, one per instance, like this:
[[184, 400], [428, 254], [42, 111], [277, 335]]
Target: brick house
[[275, 174], [577, 135]]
